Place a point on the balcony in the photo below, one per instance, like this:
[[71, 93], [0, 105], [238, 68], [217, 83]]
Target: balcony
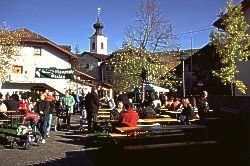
[[19, 77]]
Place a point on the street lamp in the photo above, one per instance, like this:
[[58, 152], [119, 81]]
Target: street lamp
[[181, 55]]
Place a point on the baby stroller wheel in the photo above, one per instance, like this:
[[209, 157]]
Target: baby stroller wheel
[[14, 144], [27, 145], [39, 140]]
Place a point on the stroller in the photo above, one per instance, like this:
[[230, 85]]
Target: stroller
[[61, 114], [27, 134]]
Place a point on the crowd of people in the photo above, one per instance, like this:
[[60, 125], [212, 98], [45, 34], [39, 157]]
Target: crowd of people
[[152, 105], [123, 109]]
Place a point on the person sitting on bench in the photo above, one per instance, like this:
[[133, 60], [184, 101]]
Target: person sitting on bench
[[128, 118]]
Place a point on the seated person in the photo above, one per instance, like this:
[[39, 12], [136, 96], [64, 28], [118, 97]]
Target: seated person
[[148, 112], [128, 118], [112, 104], [116, 112], [187, 111], [24, 106], [4, 109], [176, 105], [11, 104]]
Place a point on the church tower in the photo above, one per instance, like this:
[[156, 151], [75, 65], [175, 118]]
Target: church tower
[[98, 41]]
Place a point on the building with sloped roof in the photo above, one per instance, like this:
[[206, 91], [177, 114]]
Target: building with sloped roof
[[41, 64]]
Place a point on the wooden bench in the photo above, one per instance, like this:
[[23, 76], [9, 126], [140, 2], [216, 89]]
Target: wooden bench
[[16, 118], [157, 128], [4, 122], [130, 131], [168, 145]]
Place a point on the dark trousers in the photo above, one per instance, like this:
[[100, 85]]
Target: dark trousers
[[203, 118], [42, 127], [92, 118], [68, 118]]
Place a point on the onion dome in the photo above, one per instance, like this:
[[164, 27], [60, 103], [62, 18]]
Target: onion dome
[[98, 26]]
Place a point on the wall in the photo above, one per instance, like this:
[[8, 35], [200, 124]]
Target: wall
[[50, 57], [94, 71]]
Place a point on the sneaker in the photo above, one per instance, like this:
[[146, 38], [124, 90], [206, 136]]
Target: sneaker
[[43, 141], [47, 135]]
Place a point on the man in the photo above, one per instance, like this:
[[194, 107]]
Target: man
[[42, 108], [130, 117], [203, 107], [50, 98], [92, 103], [115, 113]]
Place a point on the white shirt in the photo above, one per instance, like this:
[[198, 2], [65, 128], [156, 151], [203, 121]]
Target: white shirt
[[3, 107]]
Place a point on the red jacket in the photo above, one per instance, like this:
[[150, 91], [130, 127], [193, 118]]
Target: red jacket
[[24, 107], [129, 118]]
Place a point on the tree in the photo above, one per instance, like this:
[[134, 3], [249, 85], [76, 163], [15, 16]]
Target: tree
[[142, 56], [231, 44], [77, 48], [132, 66], [150, 29], [9, 46]]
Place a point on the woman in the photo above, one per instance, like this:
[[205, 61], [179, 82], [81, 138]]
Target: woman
[[69, 102], [187, 111]]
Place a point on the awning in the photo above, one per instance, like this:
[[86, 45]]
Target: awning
[[155, 88]]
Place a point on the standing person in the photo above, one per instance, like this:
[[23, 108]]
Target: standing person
[[203, 107], [42, 108], [69, 102], [50, 98], [77, 100], [92, 103]]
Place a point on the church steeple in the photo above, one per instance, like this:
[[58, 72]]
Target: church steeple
[[98, 26], [98, 41]]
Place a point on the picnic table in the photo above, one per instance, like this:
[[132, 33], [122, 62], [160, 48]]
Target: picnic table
[[139, 129], [12, 116], [157, 120]]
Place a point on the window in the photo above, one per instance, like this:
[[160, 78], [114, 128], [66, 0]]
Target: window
[[37, 51], [102, 45], [87, 66], [17, 69], [93, 46]]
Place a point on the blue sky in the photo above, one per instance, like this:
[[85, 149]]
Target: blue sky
[[70, 21]]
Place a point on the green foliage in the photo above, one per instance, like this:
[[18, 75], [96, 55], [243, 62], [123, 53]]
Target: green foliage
[[9, 46], [231, 44], [128, 66]]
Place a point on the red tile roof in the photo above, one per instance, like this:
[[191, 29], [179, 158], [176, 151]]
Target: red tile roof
[[97, 56], [28, 36]]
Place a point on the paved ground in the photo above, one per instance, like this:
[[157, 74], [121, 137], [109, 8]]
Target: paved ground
[[67, 148], [62, 148]]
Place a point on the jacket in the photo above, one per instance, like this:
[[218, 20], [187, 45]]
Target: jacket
[[92, 102], [129, 118]]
